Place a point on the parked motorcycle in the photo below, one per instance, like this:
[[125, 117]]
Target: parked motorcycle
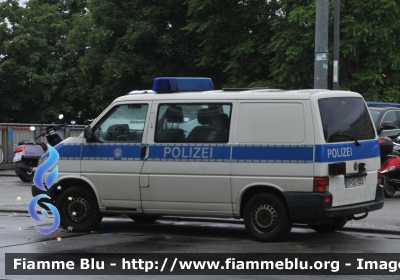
[[28, 152], [390, 165]]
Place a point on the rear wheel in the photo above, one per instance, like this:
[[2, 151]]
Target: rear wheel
[[25, 175], [326, 228], [146, 219], [389, 189], [78, 209], [266, 218]]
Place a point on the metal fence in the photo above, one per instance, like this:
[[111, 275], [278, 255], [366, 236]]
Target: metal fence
[[12, 133]]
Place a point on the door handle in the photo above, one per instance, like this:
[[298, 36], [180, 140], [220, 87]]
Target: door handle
[[143, 151]]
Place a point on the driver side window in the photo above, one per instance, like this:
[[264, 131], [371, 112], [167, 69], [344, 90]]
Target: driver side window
[[123, 123]]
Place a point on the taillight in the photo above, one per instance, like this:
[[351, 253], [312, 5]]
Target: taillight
[[328, 199], [382, 140], [321, 184], [19, 149]]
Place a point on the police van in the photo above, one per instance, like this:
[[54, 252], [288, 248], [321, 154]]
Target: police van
[[270, 157]]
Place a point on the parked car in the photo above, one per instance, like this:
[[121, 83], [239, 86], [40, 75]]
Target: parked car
[[386, 117]]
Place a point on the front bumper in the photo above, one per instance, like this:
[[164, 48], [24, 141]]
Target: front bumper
[[306, 207]]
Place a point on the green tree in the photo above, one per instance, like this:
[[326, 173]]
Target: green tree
[[369, 53], [63, 56], [292, 45], [130, 43], [14, 82], [234, 38], [33, 64], [370, 49]]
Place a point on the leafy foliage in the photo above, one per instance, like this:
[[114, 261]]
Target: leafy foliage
[[66, 56]]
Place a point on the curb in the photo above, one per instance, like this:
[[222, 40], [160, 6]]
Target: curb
[[348, 229], [7, 166]]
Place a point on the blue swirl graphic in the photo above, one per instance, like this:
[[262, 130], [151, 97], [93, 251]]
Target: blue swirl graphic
[[44, 167], [49, 180], [34, 215], [51, 177]]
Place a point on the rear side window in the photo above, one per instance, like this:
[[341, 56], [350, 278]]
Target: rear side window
[[345, 119], [193, 123]]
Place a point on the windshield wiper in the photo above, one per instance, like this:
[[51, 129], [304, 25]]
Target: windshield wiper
[[348, 136]]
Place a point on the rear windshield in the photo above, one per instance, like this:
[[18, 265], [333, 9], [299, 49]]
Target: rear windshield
[[345, 119]]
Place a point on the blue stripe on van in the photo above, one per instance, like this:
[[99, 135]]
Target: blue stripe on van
[[272, 153], [111, 151], [72, 151], [213, 152], [346, 151]]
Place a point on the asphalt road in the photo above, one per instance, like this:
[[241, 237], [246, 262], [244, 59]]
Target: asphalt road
[[121, 235], [378, 233]]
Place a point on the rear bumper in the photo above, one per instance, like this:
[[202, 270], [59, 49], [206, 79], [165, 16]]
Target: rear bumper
[[312, 206]]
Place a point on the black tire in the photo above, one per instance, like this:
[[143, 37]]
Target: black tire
[[266, 218], [78, 209], [25, 175], [145, 219], [388, 189], [327, 228]]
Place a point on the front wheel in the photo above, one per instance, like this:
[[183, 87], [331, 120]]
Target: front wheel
[[25, 175], [389, 189], [326, 228], [266, 218], [78, 209]]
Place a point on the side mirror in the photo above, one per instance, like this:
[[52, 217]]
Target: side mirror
[[387, 126], [88, 134]]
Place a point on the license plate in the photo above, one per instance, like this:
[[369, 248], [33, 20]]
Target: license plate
[[17, 156], [353, 182]]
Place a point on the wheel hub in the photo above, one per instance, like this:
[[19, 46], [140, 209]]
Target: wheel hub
[[265, 218], [78, 209]]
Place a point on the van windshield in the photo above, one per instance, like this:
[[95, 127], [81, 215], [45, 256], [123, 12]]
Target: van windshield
[[345, 119]]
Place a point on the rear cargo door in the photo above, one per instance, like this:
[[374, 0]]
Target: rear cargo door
[[350, 153]]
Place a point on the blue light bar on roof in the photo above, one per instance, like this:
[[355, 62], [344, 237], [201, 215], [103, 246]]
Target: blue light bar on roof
[[168, 84]]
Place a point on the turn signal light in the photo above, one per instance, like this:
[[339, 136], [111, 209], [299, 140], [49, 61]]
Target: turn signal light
[[338, 168], [19, 149], [321, 184]]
